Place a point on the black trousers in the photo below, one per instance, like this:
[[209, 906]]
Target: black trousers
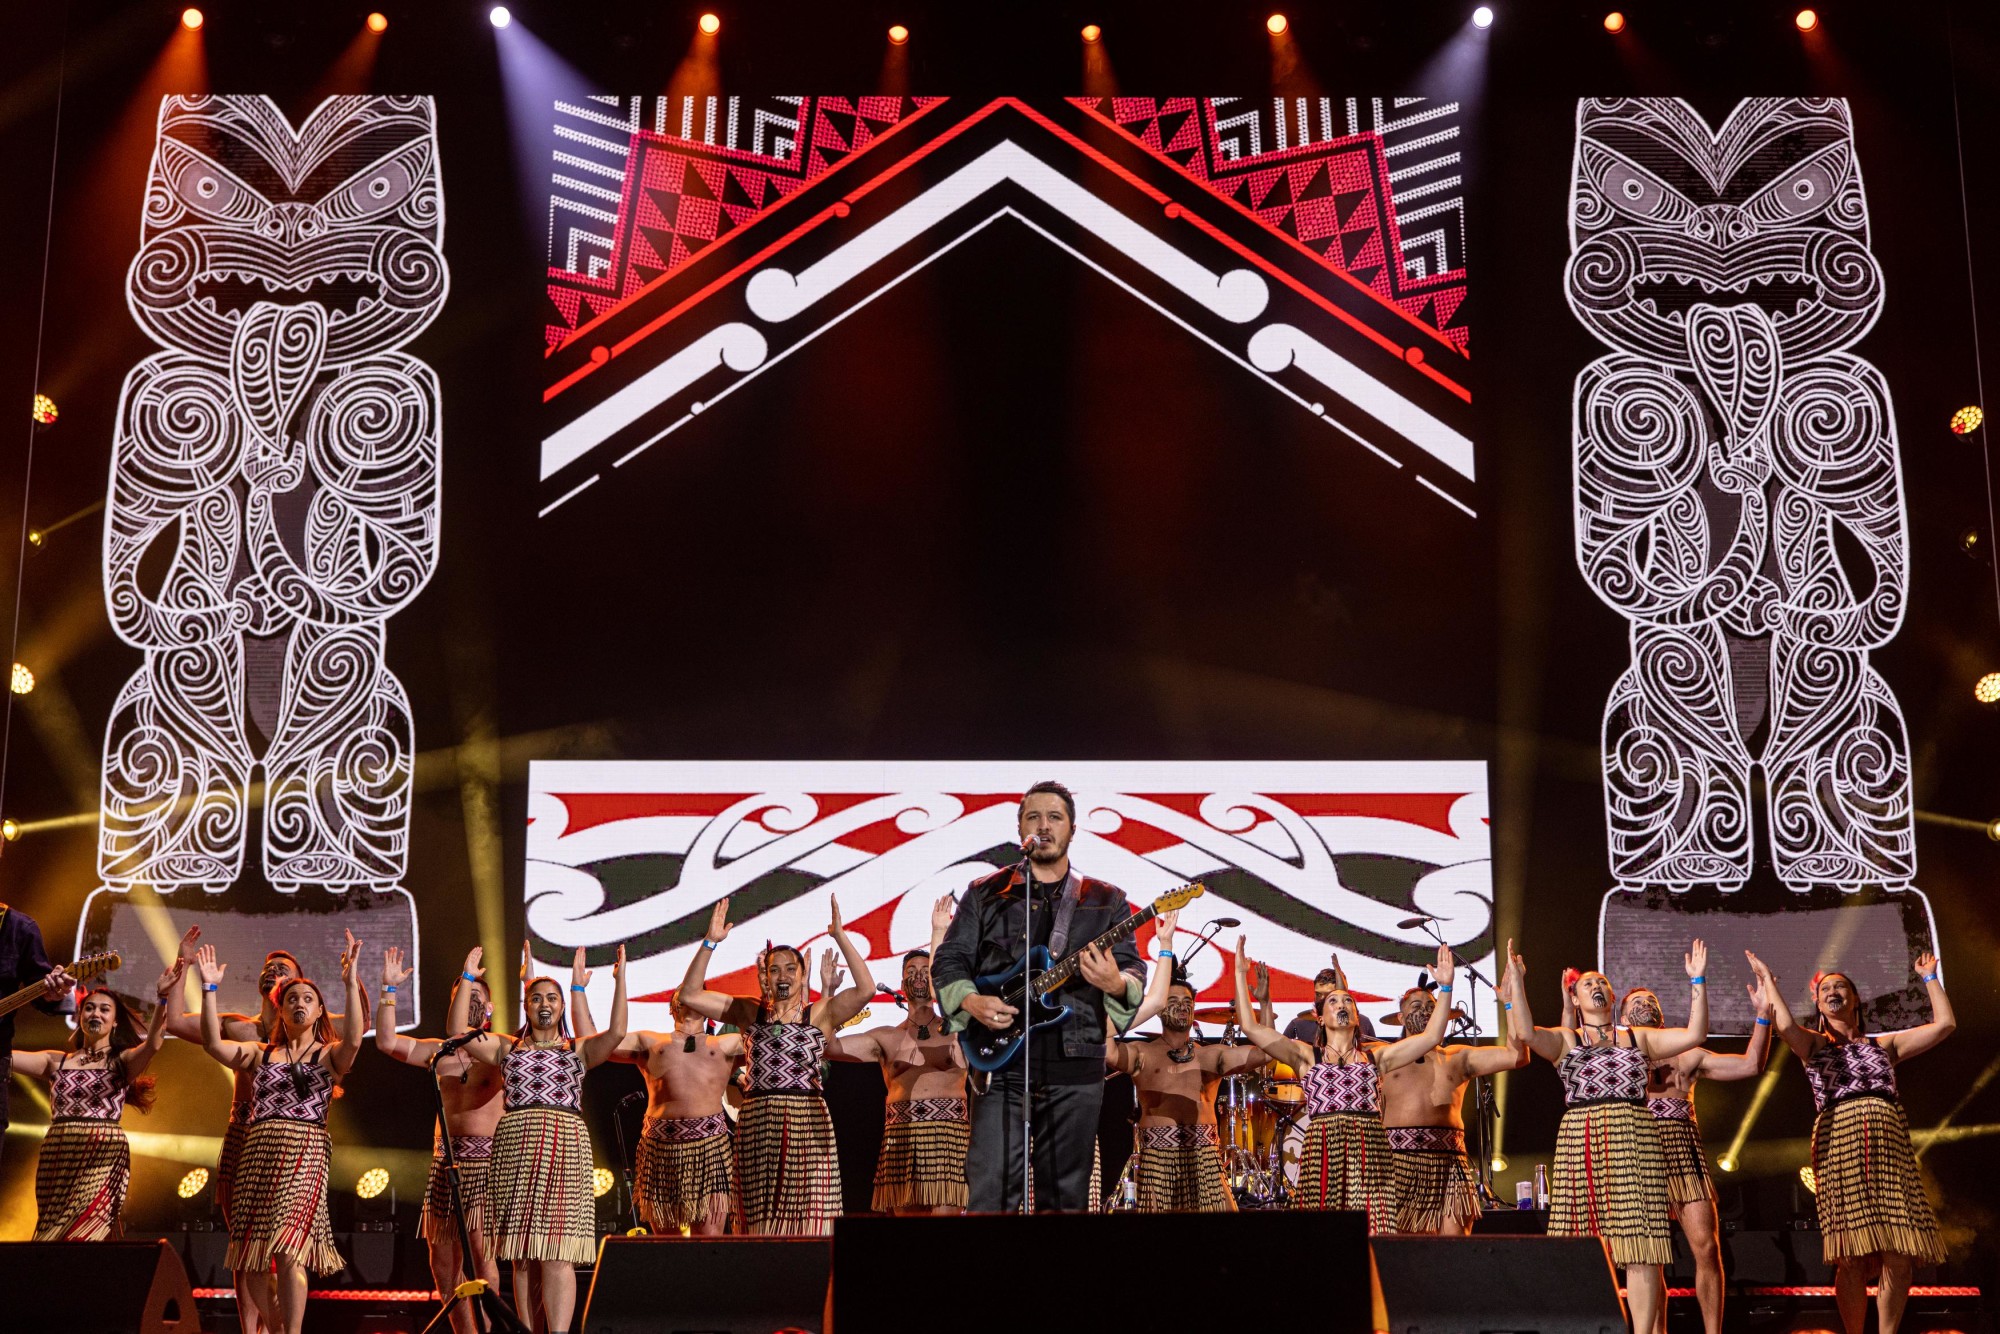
[[1065, 1147]]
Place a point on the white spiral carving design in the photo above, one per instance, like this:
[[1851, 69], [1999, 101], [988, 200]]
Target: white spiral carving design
[[1723, 450], [288, 454]]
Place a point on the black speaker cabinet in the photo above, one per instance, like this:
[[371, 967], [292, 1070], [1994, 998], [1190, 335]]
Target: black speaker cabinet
[[995, 1273], [1498, 1285], [708, 1285], [95, 1287]]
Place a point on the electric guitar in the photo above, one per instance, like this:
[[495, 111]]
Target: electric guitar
[[82, 970], [990, 1049]]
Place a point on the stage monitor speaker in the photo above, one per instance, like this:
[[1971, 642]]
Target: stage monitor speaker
[[1004, 1273], [95, 1287], [708, 1285], [1498, 1285]]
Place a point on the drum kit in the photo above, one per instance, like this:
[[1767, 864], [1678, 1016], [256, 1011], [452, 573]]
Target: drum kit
[[1260, 1119]]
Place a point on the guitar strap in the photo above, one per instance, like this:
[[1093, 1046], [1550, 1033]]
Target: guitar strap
[[1065, 914]]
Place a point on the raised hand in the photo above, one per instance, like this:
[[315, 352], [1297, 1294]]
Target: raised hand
[[186, 950], [170, 980], [211, 971], [1927, 963], [1260, 984], [718, 922], [833, 916], [579, 976], [350, 954], [1696, 959], [1759, 1002], [472, 964], [618, 966], [1164, 926], [829, 975], [527, 963], [1517, 964], [1242, 959], [1340, 974], [1762, 970], [1441, 971], [394, 971], [941, 913]]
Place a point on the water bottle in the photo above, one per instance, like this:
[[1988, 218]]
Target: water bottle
[[1128, 1194], [1541, 1186], [1524, 1194]]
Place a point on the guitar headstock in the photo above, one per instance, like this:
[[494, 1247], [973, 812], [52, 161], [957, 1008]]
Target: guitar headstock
[[1179, 898], [95, 965]]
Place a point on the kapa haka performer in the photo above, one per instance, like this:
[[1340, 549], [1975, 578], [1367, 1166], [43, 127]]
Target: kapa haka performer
[[1346, 1162], [86, 1163], [471, 1092], [1610, 1177], [787, 1171], [925, 1130], [1874, 1218], [1423, 1112], [280, 1214], [1054, 907]]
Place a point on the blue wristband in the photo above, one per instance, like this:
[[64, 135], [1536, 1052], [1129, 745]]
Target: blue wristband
[[1506, 1005], [1762, 1020], [1164, 954], [1697, 981], [468, 977], [574, 987], [388, 990], [1930, 978], [707, 944], [211, 986], [1444, 986]]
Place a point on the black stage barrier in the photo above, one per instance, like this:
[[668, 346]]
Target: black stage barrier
[[710, 1285], [95, 1287], [1002, 1272], [1498, 1285]]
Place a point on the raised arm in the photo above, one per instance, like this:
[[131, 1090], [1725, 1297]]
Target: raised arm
[[235, 1055], [1662, 1043], [354, 1023], [941, 914], [1513, 1053], [398, 1046], [830, 1012], [1295, 1054], [1260, 991], [1750, 1061], [1916, 1041], [694, 992], [137, 1058], [1162, 977], [1395, 1055], [1800, 1039], [580, 1022], [598, 1047]]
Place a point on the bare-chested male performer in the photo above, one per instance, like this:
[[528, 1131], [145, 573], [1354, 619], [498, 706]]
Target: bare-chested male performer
[[1423, 1111], [1180, 1166], [925, 1129], [472, 1107]]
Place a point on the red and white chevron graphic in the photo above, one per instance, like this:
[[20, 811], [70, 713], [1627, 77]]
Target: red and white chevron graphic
[[1314, 858]]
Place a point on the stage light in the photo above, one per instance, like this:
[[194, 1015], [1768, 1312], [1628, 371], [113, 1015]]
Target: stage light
[[45, 412], [10, 830], [898, 34], [190, 19], [601, 1182], [1969, 542], [378, 22], [1091, 32], [1726, 1163], [1499, 1163], [372, 1183], [193, 1184], [1806, 20], [1987, 691], [1809, 1179], [1614, 22], [1963, 422], [1993, 830], [498, 16], [710, 24], [35, 538], [1276, 25], [22, 681], [1482, 17]]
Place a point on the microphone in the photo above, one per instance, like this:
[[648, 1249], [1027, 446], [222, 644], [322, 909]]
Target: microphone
[[1418, 920], [1029, 844], [635, 1096], [1227, 923], [888, 992]]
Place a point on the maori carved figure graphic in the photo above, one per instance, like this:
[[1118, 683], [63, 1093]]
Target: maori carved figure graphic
[[274, 492], [1738, 494]]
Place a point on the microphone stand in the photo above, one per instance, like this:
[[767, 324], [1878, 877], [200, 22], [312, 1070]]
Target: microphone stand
[[630, 1211], [488, 1311], [1486, 1111], [1027, 1033]]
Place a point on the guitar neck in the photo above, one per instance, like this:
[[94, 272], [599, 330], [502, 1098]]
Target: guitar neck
[[1058, 975], [25, 996]]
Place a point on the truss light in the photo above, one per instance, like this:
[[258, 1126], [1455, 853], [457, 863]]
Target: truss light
[[1091, 32], [1614, 22], [710, 24], [498, 16], [1276, 25], [1988, 689], [1963, 422], [1806, 20], [1482, 17], [193, 1184], [190, 19]]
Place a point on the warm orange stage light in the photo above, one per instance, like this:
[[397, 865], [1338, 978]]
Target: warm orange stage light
[[710, 24], [1807, 20], [1614, 22], [190, 19], [378, 23], [898, 34], [1091, 32], [1276, 25]]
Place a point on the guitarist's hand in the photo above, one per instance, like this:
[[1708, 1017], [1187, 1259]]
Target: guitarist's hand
[[989, 1010], [57, 983], [1101, 970]]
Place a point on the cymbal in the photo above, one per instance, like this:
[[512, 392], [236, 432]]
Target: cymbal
[[1215, 1014]]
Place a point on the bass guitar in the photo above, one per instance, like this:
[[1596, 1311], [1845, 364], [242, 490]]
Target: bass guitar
[[990, 1049], [82, 970]]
